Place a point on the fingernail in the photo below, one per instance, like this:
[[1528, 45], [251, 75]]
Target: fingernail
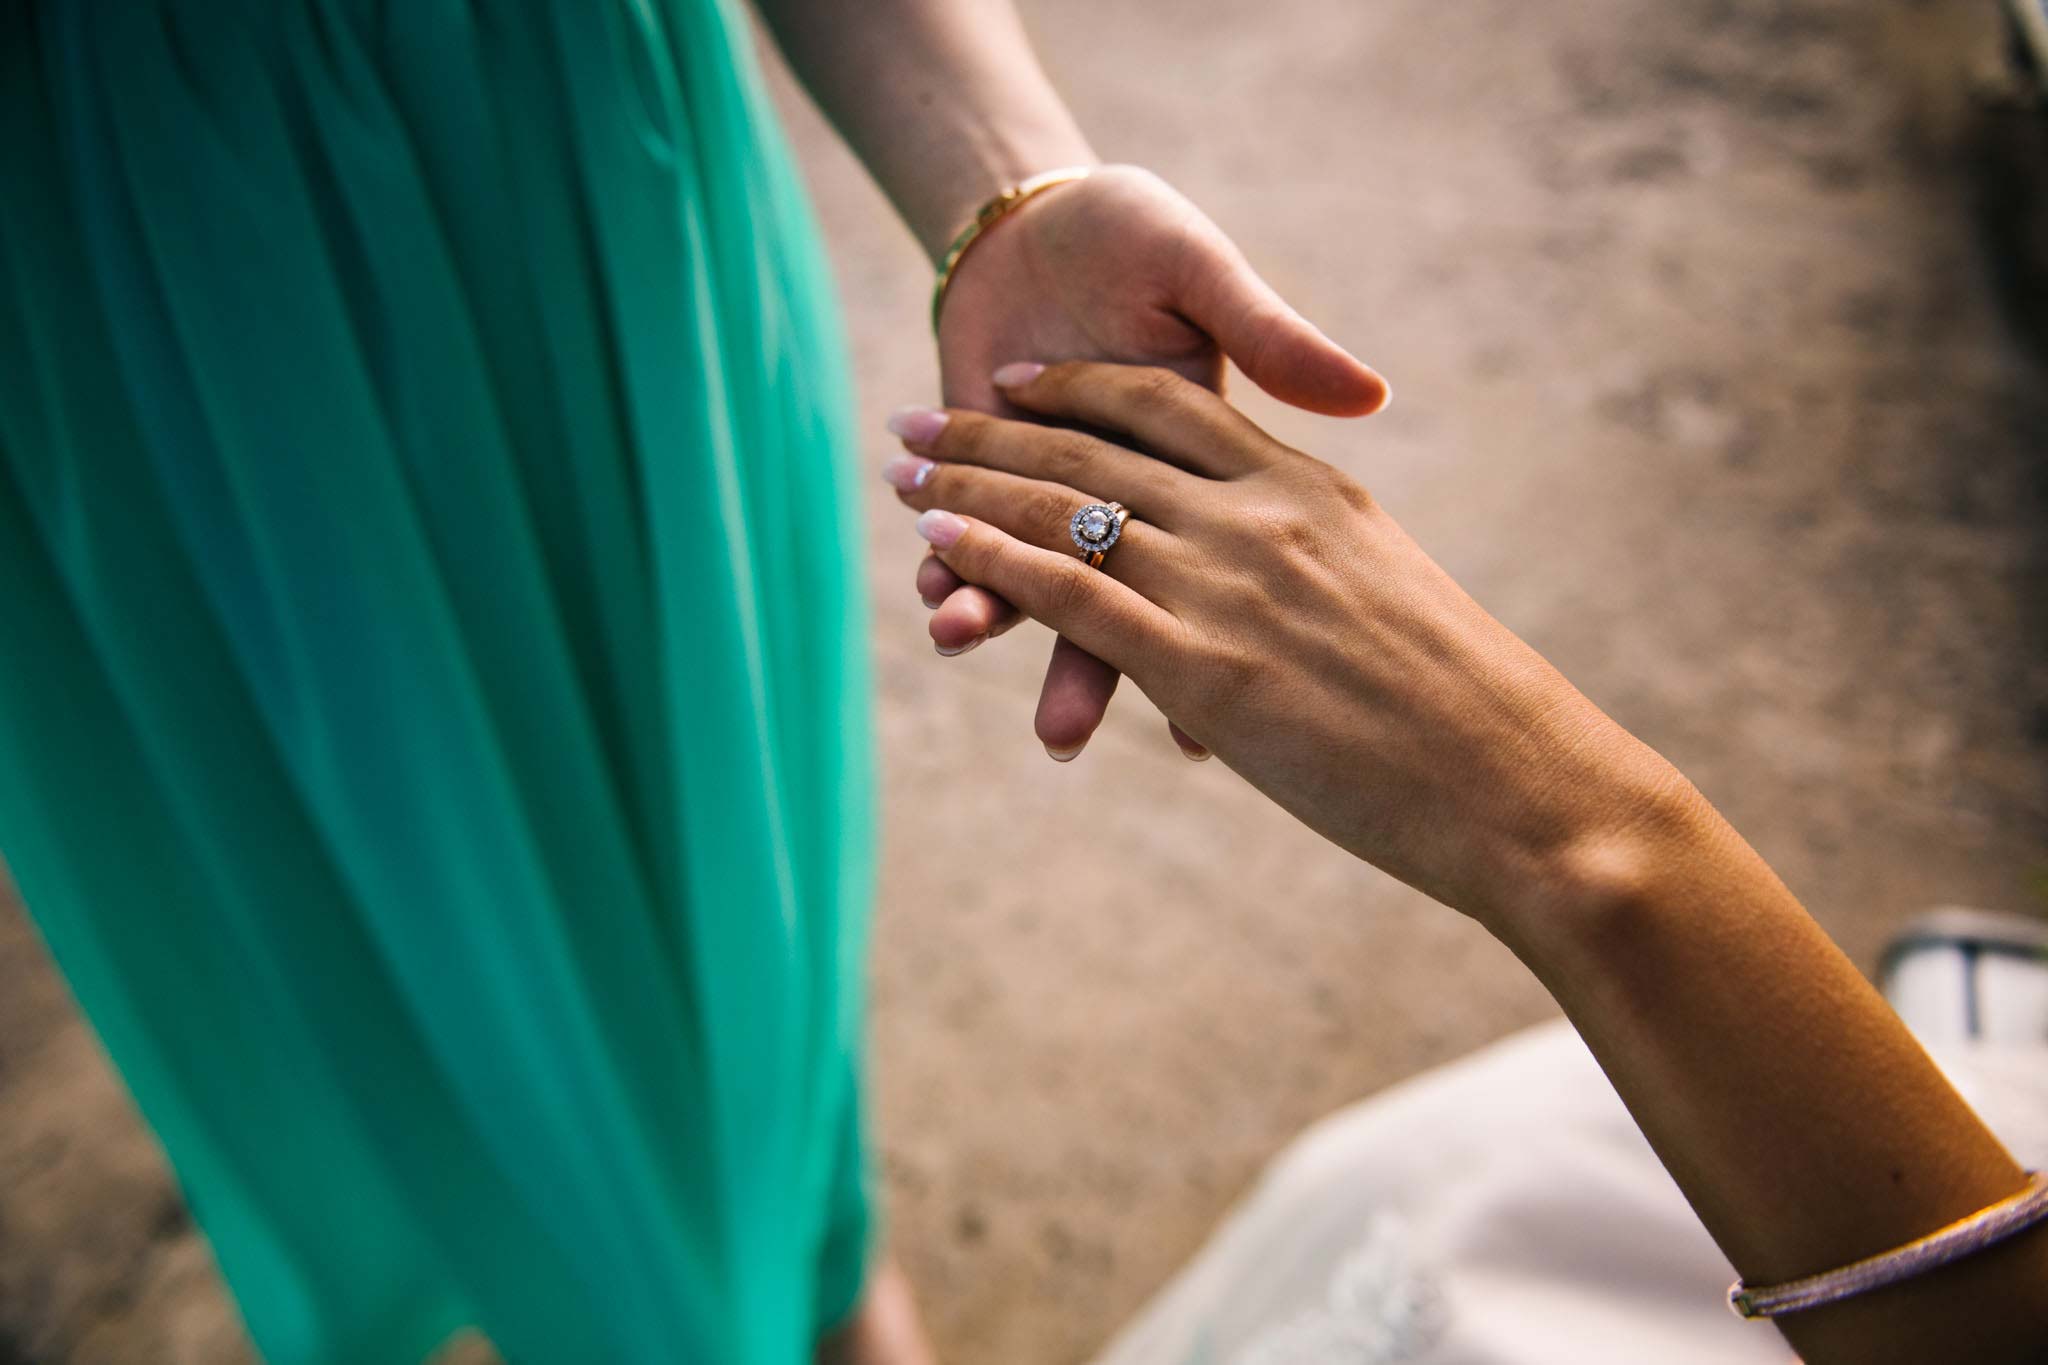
[[907, 472], [1064, 755], [931, 605], [1198, 755], [942, 529], [1019, 372], [919, 425], [957, 650]]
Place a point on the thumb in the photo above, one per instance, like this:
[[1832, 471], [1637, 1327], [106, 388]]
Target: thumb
[[1280, 350]]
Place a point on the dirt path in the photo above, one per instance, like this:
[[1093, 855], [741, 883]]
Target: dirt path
[[1701, 385]]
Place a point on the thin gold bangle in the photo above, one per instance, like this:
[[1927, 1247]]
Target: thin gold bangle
[[988, 215]]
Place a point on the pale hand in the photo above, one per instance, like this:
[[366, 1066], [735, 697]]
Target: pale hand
[[1117, 267]]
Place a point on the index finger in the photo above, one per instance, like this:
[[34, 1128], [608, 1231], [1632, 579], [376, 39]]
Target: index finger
[[1171, 416]]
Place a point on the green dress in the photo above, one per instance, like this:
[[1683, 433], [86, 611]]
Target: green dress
[[433, 707]]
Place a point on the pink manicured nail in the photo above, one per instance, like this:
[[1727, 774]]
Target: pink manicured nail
[[920, 426], [1064, 755], [975, 643], [942, 529], [907, 472], [1019, 372]]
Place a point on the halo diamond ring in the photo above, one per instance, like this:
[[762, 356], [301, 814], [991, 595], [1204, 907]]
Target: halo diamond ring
[[1096, 527]]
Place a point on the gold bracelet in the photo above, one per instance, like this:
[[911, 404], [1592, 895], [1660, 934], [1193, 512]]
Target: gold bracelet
[[1964, 1237], [988, 215]]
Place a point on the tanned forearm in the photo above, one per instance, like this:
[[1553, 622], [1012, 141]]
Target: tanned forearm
[[942, 100], [1803, 1122]]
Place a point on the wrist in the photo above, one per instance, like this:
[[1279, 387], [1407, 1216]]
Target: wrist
[[1628, 824], [987, 162]]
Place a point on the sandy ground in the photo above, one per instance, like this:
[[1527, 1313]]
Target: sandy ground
[[1703, 385]]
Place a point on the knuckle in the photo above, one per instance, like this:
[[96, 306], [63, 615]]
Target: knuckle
[[1326, 483], [957, 488], [1067, 457], [1152, 388], [981, 558], [984, 559], [1293, 537], [1353, 495], [1046, 512], [964, 436], [1305, 540], [1068, 587]]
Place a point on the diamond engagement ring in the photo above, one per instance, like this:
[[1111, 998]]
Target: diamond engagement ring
[[1096, 527]]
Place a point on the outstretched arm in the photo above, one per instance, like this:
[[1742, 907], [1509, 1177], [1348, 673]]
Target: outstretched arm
[[946, 105], [1268, 606]]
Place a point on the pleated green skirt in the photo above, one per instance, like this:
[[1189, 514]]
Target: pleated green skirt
[[433, 699]]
